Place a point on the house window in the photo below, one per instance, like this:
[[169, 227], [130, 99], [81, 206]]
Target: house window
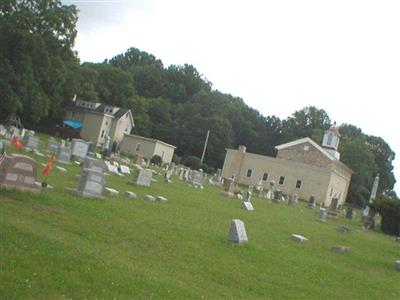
[[281, 180], [331, 192], [265, 177], [330, 137], [299, 184], [249, 171], [137, 147], [306, 147], [102, 133]]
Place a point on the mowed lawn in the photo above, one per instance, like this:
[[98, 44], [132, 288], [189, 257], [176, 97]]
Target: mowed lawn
[[55, 245]]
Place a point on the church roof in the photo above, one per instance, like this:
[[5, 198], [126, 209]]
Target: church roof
[[318, 147]]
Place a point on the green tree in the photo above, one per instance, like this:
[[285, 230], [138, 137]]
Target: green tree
[[36, 51]]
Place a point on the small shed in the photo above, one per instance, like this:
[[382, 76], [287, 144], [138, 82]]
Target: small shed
[[147, 147]]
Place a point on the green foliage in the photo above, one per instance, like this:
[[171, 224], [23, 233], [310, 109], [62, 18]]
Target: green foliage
[[389, 209], [156, 159], [176, 159], [193, 162], [38, 66]]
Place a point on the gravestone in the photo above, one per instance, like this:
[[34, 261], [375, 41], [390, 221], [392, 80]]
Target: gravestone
[[278, 195], [125, 170], [91, 183], [322, 215], [311, 202], [130, 195], [18, 172], [150, 198], [397, 265], [247, 206], [111, 192], [237, 232], [350, 213], [80, 148], [248, 196], [3, 131], [94, 164], [344, 229], [52, 146], [340, 249], [332, 211], [293, 199], [64, 155], [161, 199], [111, 168], [143, 177], [196, 178], [137, 159], [31, 142], [229, 187], [299, 238]]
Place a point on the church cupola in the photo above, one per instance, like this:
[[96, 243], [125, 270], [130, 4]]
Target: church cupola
[[331, 141]]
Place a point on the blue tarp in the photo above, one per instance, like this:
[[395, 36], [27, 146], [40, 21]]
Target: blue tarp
[[73, 124]]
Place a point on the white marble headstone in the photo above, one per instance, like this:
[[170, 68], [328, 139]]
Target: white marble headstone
[[237, 232]]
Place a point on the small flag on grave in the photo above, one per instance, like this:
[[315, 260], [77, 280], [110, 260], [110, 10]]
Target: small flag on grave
[[16, 143]]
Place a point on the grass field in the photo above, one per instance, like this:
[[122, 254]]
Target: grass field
[[55, 245]]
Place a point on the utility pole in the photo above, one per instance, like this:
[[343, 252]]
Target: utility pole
[[205, 146]]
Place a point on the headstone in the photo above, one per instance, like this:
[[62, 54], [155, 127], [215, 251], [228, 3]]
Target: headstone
[[196, 178], [94, 164], [247, 206], [130, 195], [91, 183], [299, 238], [61, 169], [150, 198], [340, 249], [237, 232], [332, 212], [292, 199], [161, 199], [278, 195], [110, 191], [322, 215], [3, 131], [18, 172], [229, 187], [111, 168], [137, 159], [31, 142], [143, 177], [64, 155], [248, 196], [350, 213], [167, 176], [125, 170], [397, 265], [80, 148], [344, 229], [52, 146], [311, 202]]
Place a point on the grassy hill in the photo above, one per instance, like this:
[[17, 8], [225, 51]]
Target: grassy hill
[[55, 245]]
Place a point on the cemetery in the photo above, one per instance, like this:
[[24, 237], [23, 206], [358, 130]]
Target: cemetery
[[110, 229]]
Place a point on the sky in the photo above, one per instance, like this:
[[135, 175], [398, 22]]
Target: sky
[[278, 56]]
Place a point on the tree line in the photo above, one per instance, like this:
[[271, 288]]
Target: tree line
[[40, 74]]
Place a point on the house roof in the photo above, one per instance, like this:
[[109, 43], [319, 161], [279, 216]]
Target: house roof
[[318, 147], [100, 109]]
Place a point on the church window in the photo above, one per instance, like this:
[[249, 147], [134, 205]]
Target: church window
[[249, 172], [282, 180], [299, 184], [265, 177], [330, 138]]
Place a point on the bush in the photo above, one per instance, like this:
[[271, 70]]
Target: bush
[[193, 162], [176, 159], [156, 159], [389, 209]]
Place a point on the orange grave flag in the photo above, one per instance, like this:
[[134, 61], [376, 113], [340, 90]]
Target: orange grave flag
[[16, 143], [49, 167]]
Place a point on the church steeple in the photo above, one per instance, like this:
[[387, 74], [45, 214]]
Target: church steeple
[[331, 141]]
